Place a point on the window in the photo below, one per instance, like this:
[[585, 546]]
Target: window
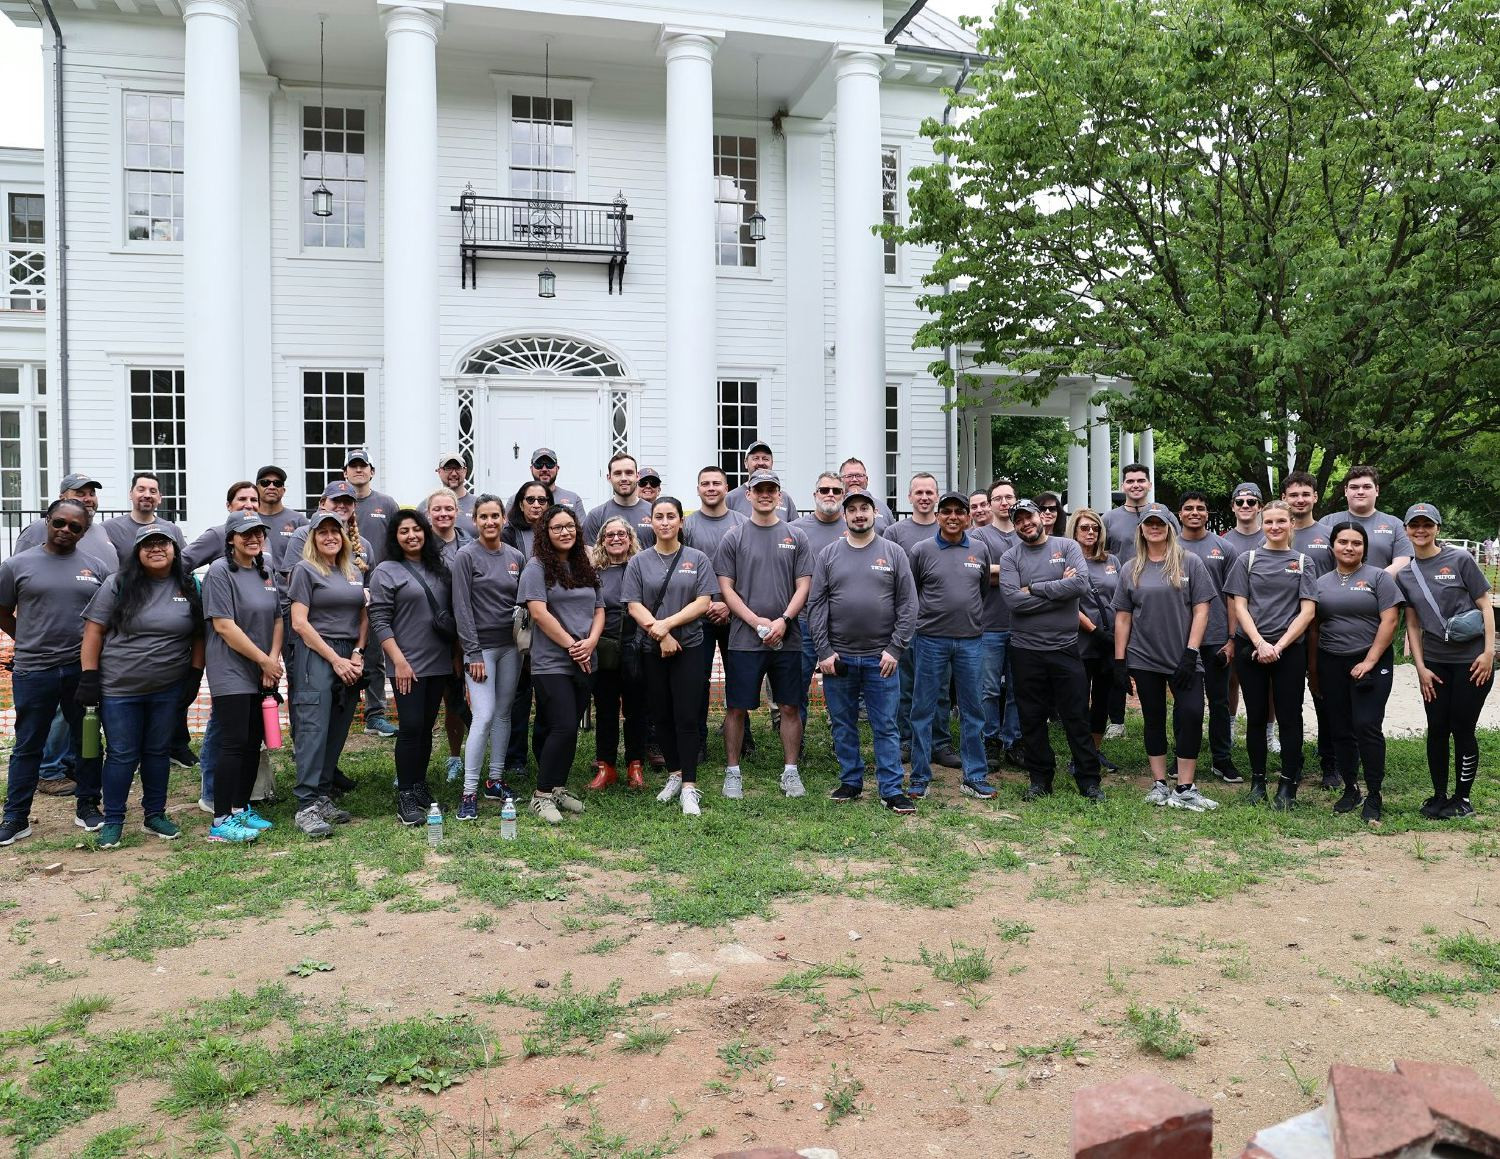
[[543, 357], [11, 496], [892, 443], [333, 151], [26, 219], [153, 167], [543, 148], [333, 420], [736, 191], [739, 424], [24, 266], [890, 200], [158, 434]]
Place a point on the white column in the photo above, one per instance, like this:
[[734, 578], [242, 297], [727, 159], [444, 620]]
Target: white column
[[984, 449], [859, 284], [1148, 458], [1078, 449], [1099, 449], [212, 254], [809, 445], [410, 372], [1127, 455], [255, 202], [692, 335]]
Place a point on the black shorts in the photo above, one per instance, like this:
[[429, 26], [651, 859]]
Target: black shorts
[[744, 671]]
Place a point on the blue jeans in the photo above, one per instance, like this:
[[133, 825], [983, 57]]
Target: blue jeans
[[1002, 727], [138, 730], [941, 660], [809, 662], [38, 697], [942, 739], [208, 756], [59, 754], [881, 696]]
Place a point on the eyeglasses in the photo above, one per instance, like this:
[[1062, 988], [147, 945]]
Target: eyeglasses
[[1247, 502], [560, 528], [535, 499], [830, 490], [75, 528], [270, 482], [617, 535]]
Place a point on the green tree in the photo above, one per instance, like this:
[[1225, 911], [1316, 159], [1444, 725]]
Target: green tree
[[1031, 452], [1276, 218]]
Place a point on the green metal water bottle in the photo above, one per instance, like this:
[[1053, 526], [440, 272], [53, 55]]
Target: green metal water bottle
[[91, 733]]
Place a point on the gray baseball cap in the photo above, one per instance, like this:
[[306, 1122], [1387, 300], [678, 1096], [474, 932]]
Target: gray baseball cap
[[1246, 488], [1423, 511], [761, 476], [1162, 512], [243, 521], [78, 481], [860, 494], [321, 517], [145, 532]]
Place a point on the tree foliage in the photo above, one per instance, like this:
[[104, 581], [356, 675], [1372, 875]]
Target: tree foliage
[[1280, 219]]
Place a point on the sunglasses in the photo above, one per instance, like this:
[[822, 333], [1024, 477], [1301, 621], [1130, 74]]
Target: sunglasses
[[544, 464], [75, 528], [830, 490], [1247, 502], [1049, 507], [270, 483], [535, 499]]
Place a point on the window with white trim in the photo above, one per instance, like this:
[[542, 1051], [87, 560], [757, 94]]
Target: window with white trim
[[890, 200], [333, 420], [23, 263], [158, 432], [154, 128], [736, 193], [739, 424], [24, 482], [892, 443], [543, 148], [333, 151]]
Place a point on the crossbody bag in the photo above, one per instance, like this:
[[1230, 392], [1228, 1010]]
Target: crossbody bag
[[1460, 629], [443, 623]]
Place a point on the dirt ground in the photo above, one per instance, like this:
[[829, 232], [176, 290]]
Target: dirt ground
[[1257, 980]]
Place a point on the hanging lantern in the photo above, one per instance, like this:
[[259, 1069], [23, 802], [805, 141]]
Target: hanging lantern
[[546, 283], [322, 201], [757, 226], [322, 196]]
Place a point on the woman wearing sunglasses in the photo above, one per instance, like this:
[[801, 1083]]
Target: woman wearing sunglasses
[[618, 690]]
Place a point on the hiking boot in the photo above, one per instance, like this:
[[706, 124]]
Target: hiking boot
[[423, 792], [1370, 814], [309, 820], [1286, 796], [87, 816], [843, 794], [14, 829], [1092, 793], [1331, 781], [379, 726], [900, 803], [635, 776], [670, 789], [252, 820], [1349, 801], [1191, 799], [468, 807], [1432, 808], [734, 784], [159, 825], [1115, 731], [690, 799], [981, 790], [336, 816], [409, 808], [948, 758], [605, 775], [1228, 773], [563, 798], [545, 809], [232, 831], [791, 783], [57, 786], [1455, 808], [1257, 793], [1159, 793]]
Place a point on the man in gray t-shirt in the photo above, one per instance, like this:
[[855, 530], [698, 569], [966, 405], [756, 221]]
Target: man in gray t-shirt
[[1387, 545], [705, 529], [1120, 524], [625, 501], [95, 541], [758, 457], [824, 526], [373, 512], [1217, 651], [544, 469], [145, 498]]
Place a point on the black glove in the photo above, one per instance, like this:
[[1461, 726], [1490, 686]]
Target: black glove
[[87, 692], [192, 683], [1186, 667], [1122, 674]]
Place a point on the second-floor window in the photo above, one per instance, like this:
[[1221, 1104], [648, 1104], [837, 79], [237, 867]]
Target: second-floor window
[[153, 167], [736, 192], [333, 151], [543, 148], [890, 201], [23, 262]]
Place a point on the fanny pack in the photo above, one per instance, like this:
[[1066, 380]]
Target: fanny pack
[[1460, 629]]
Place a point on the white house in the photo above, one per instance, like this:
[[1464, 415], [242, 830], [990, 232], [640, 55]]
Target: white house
[[215, 322], [27, 422]]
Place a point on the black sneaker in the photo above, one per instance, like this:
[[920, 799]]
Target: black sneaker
[[88, 818], [948, 758], [424, 794], [14, 829], [1331, 781], [496, 791], [845, 793], [1455, 808], [1371, 812], [343, 783], [1036, 792], [1013, 756], [1228, 773], [1091, 793], [1349, 801], [409, 807], [183, 758], [1433, 807], [900, 803]]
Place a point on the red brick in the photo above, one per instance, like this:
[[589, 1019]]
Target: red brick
[[1141, 1117], [1376, 1115], [1466, 1111]]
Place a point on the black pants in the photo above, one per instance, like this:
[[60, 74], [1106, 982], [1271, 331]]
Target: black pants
[[1216, 691], [714, 635], [418, 710], [1354, 715], [1263, 685], [1187, 713], [1454, 712], [1101, 677], [239, 730], [614, 696], [1046, 682], [560, 701], [1327, 761], [520, 713], [676, 692]]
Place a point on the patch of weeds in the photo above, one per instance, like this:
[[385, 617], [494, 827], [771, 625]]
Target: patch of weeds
[[1421, 852], [1059, 1048], [1158, 1032], [741, 1058], [842, 1095], [480, 923], [114, 1143], [808, 984], [964, 965], [606, 945], [1116, 980], [1170, 957], [46, 974], [644, 1039], [572, 1096], [1014, 931], [1405, 986], [218, 1071], [1236, 967], [598, 1142], [308, 967], [897, 1011], [76, 1012], [575, 1016], [1307, 1084]]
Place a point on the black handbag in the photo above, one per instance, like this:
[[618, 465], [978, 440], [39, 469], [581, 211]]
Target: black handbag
[[444, 626]]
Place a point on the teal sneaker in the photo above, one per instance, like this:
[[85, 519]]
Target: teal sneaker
[[233, 830], [162, 827], [108, 836], [250, 819]]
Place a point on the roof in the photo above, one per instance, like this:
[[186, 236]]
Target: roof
[[929, 28]]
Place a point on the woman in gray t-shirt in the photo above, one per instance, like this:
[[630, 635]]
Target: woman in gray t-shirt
[[1096, 626], [617, 694], [142, 640]]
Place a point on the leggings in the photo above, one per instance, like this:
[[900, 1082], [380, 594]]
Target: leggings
[[1454, 712], [615, 695], [490, 701], [1354, 714], [418, 711], [675, 690], [1187, 713], [1263, 685], [1101, 676], [561, 698], [240, 729]]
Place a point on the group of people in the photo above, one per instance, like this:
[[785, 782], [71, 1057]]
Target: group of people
[[481, 606]]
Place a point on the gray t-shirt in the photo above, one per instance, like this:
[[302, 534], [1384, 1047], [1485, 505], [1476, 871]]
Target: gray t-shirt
[[1161, 615], [400, 611], [1273, 593], [739, 500], [279, 531], [252, 603], [820, 534], [765, 564], [1119, 531], [450, 548], [1386, 535], [906, 533], [48, 594], [638, 515], [572, 607], [1349, 609], [1044, 618], [863, 601], [484, 597], [1241, 542], [374, 512], [568, 498], [612, 588], [1099, 606], [706, 532], [122, 529], [334, 601], [1218, 555], [1455, 582], [692, 576], [156, 650], [208, 547], [1314, 543], [996, 610], [95, 542], [951, 579]]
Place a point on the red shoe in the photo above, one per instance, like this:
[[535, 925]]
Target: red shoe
[[635, 775], [605, 777]]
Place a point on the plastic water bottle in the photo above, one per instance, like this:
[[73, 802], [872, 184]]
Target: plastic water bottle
[[434, 825], [763, 631], [270, 716], [508, 820], [90, 744]]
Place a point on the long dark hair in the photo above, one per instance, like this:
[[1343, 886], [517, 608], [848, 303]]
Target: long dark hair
[[572, 570], [133, 587], [259, 562], [432, 552], [1350, 525], [515, 516]]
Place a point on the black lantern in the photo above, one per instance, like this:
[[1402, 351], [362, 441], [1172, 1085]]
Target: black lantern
[[322, 199], [757, 225], [546, 283], [322, 196]]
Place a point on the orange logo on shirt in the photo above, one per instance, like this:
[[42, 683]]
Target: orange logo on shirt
[[1057, 555], [880, 561], [1294, 567], [688, 566], [85, 573], [1361, 585], [1445, 571]]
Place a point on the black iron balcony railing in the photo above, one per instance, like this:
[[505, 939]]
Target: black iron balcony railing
[[542, 230]]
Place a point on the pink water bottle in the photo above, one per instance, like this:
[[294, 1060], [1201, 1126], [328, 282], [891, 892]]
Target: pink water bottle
[[270, 715]]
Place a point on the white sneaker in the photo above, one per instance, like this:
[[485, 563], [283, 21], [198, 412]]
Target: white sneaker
[[734, 784], [1192, 799], [1159, 793], [690, 801], [206, 805], [791, 782], [1273, 742], [1114, 732], [671, 789]]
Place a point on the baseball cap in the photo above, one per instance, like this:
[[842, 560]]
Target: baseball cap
[[339, 490], [271, 469], [1025, 507], [450, 457], [759, 445], [243, 521], [359, 455], [321, 517], [858, 493], [78, 481], [1159, 511], [647, 473], [1423, 511], [152, 529], [761, 476], [543, 453], [954, 497], [1246, 488]]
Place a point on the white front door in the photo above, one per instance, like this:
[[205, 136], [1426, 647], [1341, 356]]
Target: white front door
[[571, 422]]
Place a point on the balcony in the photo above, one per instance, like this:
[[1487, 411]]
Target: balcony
[[542, 230], [24, 285]]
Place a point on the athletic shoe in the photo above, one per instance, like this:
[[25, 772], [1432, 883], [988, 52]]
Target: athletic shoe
[[1108, 765], [336, 816], [1159, 793], [734, 784], [250, 819], [843, 794], [1228, 774], [1092, 793], [1331, 781], [231, 830], [1273, 742], [690, 798], [309, 820], [379, 726], [468, 807], [948, 759], [1349, 801], [57, 786], [1035, 792], [205, 806], [88, 818], [183, 758], [545, 809], [1114, 731], [900, 803], [409, 808], [108, 837], [159, 824], [1371, 812], [14, 829], [791, 783], [341, 783], [916, 790], [1433, 807], [670, 789], [1191, 799], [454, 768], [564, 799], [980, 789], [1455, 808]]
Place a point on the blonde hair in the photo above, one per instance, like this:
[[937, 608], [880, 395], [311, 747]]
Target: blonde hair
[[1100, 551], [1174, 566], [440, 493], [599, 557], [344, 562]]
